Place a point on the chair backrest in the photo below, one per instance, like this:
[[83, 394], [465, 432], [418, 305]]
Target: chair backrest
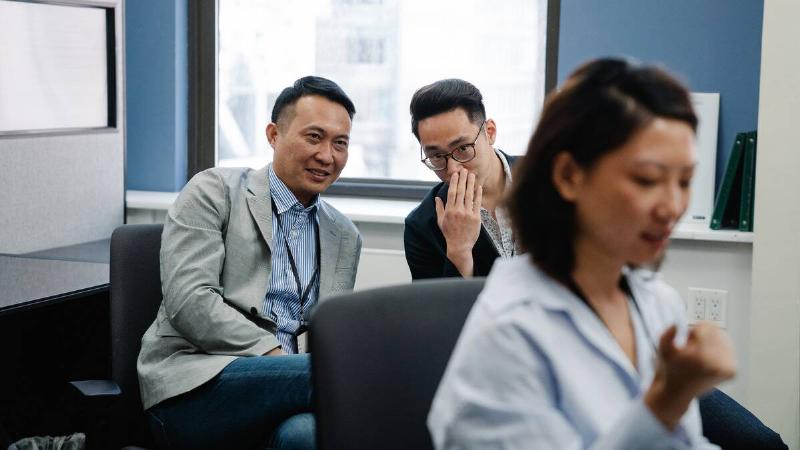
[[135, 297], [377, 358]]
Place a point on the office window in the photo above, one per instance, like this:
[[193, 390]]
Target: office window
[[380, 52], [365, 49]]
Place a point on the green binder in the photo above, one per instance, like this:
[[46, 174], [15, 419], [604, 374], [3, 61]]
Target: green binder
[[748, 182], [726, 207]]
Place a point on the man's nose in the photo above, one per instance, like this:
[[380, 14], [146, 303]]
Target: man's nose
[[453, 166], [325, 153]]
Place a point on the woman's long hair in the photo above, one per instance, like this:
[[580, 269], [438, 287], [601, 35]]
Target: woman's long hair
[[598, 109]]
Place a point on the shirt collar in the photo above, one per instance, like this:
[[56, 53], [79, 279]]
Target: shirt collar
[[283, 198], [506, 170], [506, 166]]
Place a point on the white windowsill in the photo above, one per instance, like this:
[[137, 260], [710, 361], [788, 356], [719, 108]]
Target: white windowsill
[[360, 209], [149, 200]]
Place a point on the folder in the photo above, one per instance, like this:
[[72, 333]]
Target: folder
[[728, 202], [748, 182]]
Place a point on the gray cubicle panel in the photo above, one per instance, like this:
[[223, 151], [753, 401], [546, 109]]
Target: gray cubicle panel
[[64, 185]]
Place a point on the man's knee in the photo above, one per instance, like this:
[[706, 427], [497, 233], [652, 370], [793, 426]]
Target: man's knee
[[295, 433]]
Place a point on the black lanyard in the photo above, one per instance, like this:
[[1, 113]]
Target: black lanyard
[[301, 294], [626, 288]]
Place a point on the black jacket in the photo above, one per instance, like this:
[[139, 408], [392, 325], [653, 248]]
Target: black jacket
[[426, 251]]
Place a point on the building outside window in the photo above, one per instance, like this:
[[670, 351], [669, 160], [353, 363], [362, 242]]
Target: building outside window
[[380, 52]]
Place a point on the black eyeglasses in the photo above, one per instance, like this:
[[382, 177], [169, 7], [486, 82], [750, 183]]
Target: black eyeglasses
[[463, 153]]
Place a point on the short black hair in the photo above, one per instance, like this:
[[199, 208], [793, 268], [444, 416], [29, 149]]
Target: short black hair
[[443, 96], [311, 85], [599, 108]]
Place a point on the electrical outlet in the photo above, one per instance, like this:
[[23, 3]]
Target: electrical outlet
[[707, 304], [717, 307], [696, 310]]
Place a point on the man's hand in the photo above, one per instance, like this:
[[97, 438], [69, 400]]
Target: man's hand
[[460, 219], [685, 372], [277, 351]]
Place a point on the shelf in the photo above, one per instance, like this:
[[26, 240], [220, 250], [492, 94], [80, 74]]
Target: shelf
[[371, 210], [701, 232]]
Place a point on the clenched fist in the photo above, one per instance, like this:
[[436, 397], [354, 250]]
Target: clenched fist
[[690, 370]]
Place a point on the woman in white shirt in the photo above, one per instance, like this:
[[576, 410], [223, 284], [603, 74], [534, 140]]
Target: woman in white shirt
[[574, 345]]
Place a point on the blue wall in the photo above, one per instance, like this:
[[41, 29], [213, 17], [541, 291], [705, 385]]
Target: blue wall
[[713, 45], [156, 94]]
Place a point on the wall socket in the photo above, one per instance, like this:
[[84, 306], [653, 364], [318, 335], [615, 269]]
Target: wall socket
[[710, 305]]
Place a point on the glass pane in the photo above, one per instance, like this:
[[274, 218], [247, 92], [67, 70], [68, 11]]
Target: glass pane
[[380, 52], [54, 67]]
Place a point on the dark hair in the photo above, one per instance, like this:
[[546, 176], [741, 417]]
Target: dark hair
[[443, 96], [311, 85], [599, 108]]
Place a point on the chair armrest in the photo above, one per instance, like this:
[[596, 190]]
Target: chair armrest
[[97, 388], [105, 414], [98, 409]]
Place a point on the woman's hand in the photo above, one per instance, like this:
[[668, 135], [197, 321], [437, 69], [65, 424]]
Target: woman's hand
[[685, 372]]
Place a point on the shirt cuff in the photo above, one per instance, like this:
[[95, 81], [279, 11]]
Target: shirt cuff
[[639, 428]]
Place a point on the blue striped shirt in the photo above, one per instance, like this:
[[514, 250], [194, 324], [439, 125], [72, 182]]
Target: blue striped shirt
[[296, 224]]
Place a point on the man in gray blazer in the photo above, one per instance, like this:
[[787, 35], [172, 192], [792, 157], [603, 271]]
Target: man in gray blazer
[[245, 255]]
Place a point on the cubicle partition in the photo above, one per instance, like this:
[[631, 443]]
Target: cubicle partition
[[62, 123]]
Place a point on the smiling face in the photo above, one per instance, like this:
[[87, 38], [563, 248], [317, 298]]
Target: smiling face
[[628, 202], [445, 132], [310, 141]]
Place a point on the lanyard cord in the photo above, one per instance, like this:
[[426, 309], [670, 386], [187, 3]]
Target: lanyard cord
[[302, 295], [626, 288]]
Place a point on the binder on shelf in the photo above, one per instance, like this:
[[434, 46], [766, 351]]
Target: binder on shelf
[[748, 182], [728, 203]]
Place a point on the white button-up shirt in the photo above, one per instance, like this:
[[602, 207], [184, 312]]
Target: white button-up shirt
[[535, 368], [293, 225]]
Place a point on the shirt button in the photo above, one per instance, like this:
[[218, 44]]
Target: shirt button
[[293, 234]]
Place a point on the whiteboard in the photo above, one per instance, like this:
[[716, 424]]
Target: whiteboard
[[701, 205], [54, 67]]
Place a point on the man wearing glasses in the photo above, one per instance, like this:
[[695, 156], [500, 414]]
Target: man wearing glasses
[[457, 230]]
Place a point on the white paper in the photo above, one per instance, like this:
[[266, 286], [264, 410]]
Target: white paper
[[701, 206]]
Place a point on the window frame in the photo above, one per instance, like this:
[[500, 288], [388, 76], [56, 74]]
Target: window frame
[[203, 89]]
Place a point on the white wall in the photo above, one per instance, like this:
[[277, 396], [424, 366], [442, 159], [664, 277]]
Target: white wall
[[774, 346], [689, 263], [383, 261], [718, 265]]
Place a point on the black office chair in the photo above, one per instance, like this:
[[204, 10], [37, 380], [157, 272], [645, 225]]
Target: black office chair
[[135, 297], [377, 358]]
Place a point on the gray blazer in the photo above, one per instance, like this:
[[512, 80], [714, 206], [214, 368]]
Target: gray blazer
[[215, 269]]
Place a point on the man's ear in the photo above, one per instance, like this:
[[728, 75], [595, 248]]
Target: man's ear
[[568, 176], [491, 130], [272, 134]]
